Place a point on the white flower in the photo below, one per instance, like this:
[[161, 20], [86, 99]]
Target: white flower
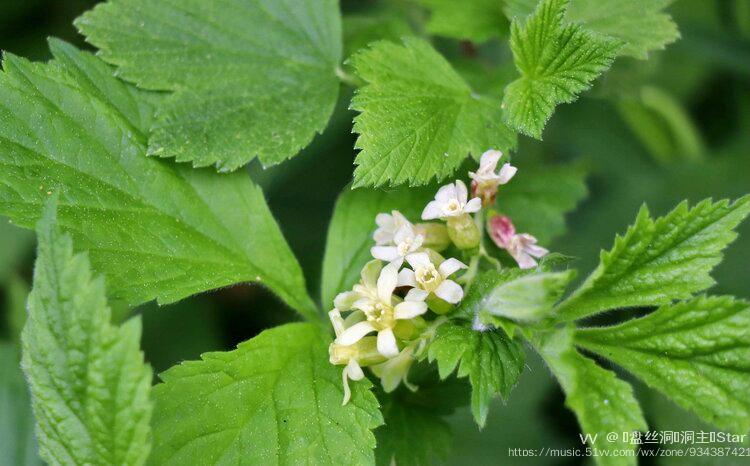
[[396, 370], [388, 225], [451, 201], [426, 278], [337, 356], [485, 176], [381, 310], [522, 247], [406, 241]]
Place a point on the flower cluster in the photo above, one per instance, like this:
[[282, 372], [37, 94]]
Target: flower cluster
[[407, 289]]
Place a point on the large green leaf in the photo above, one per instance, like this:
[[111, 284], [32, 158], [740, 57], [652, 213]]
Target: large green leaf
[[350, 232], [557, 61], [491, 360], [696, 352], [18, 446], [274, 400], [602, 403], [418, 118], [539, 197], [250, 77], [475, 20], [90, 387], [155, 229], [660, 260]]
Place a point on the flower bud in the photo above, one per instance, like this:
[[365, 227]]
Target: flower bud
[[463, 231], [435, 235]]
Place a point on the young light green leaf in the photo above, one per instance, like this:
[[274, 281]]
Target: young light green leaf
[[641, 25], [418, 118], [491, 360], [89, 385], [250, 77], [520, 295], [274, 400], [350, 232], [474, 20], [601, 402], [696, 352], [519, 9], [18, 445], [660, 260], [539, 198], [155, 229], [557, 61]]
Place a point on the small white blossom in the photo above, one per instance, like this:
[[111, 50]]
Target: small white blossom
[[522, 247], [406, 241], [486, 175], [388, 225], [451, 200], [426, 278], [352, 370], [381, 310]]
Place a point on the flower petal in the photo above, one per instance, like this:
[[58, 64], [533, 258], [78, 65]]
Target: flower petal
[[418, 259], [384, 253], [450, 265], [387, 343], [370, 273], [354, 333], [506, 173], [473, 206], [387, 282], [432, 211], [345, 382], [415, 294], [404, 233], [446, 193], [488, 160], [461, 192], [450, 291], [409, 309], [417, 242], [355, 372], [406, 278], [344, 301], [336, 321]]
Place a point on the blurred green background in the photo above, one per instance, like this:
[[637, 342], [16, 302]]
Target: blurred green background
[[674, 127]]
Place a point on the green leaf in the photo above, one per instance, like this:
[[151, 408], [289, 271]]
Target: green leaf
[[539, 197], [350, 232], [418, 118], [89, 385], [274, 400], [639, 24], [474, 20], [524, 296], [18, 445], [250, 77], [660, 260], [602, 402], [155, 229], [491, 360], [696, 352], [557, 62]]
